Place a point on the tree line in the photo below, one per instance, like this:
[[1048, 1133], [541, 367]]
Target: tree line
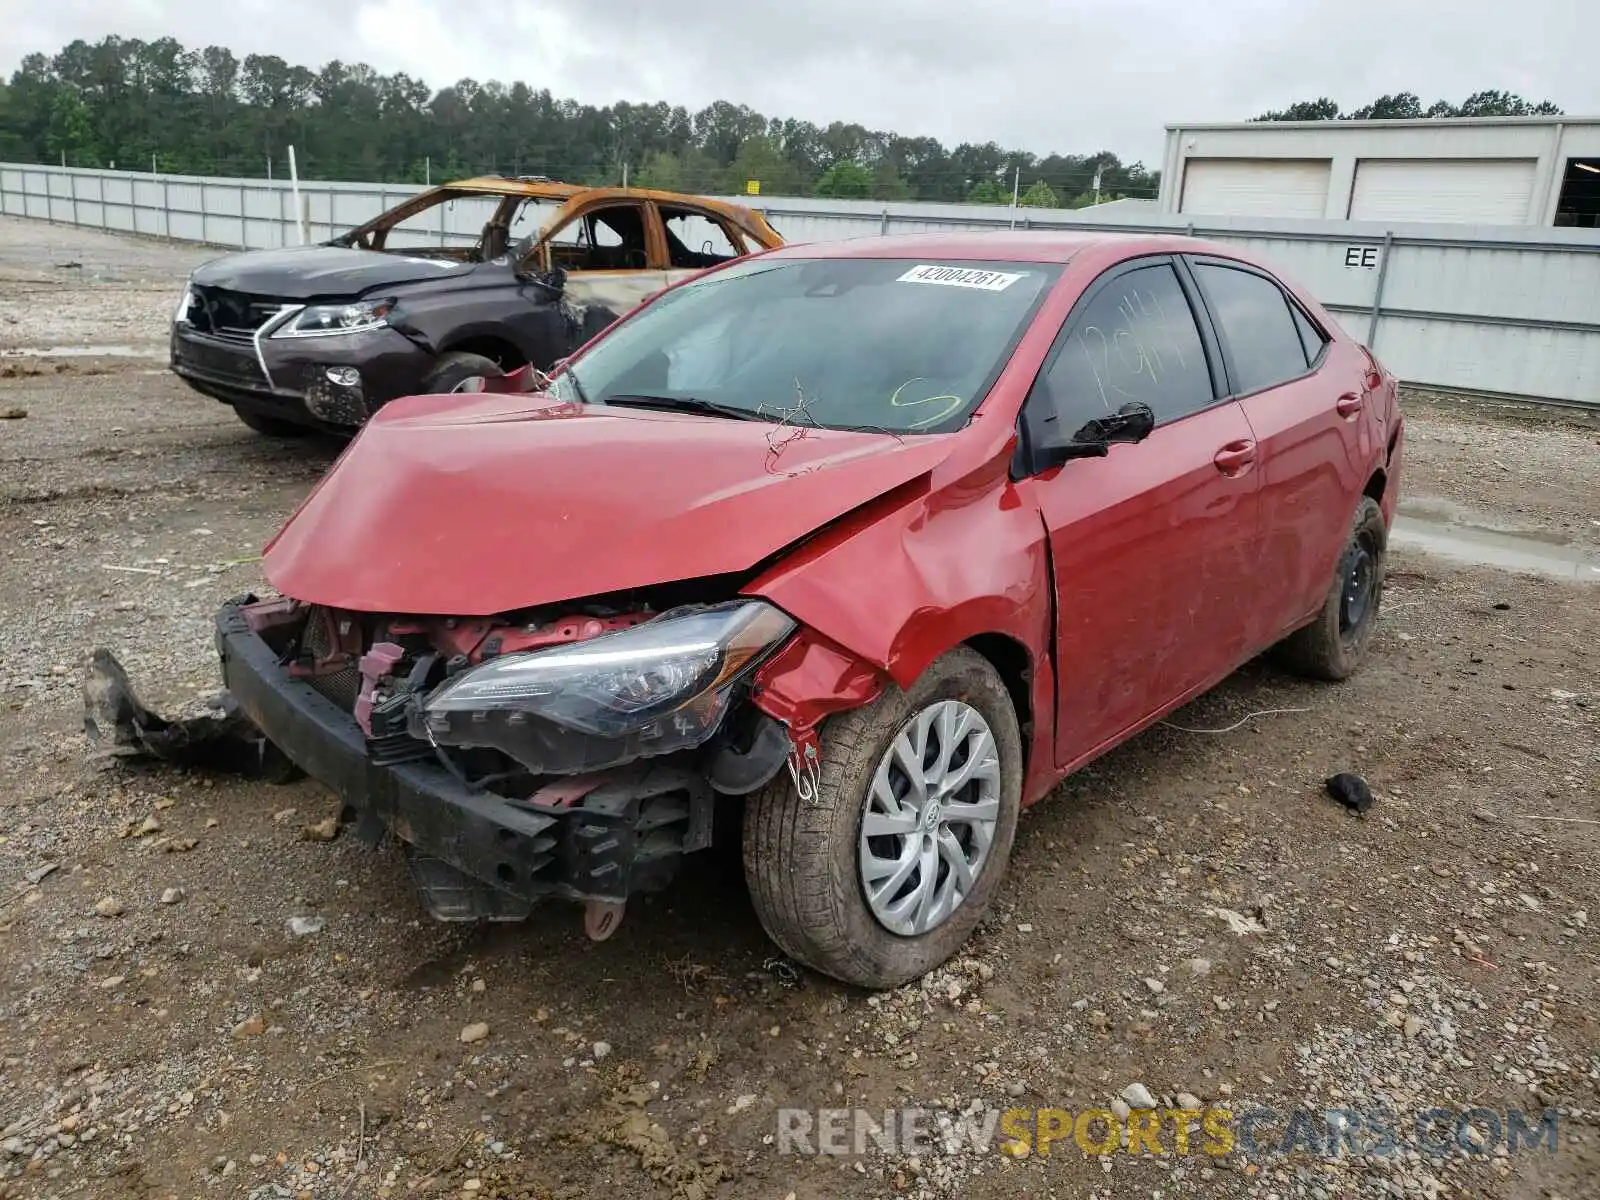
[[160, 106], [1404, 106]]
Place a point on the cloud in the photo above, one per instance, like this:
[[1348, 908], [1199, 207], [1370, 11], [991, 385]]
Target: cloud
[[1038, 74]]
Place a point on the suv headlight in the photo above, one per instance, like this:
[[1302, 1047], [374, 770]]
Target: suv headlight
[[181, 317], [676, 670], [319, 320]]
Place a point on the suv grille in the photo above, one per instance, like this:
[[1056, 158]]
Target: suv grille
[[233, 316]]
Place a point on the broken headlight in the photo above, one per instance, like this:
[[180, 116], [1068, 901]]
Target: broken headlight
[[318, 320], [181, 317], [658, 687]]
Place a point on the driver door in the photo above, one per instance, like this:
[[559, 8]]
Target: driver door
[[1153, 547]]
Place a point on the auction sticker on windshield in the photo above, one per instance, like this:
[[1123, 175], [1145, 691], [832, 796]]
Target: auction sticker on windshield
[[967, 277]]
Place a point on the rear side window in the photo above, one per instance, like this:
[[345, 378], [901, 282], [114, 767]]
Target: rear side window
[[1310, 336], [696, 240], [1135, 341], [1258, 324]]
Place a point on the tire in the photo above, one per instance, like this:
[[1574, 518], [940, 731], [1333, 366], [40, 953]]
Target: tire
[[1333, 646], [271, 426], [455, 369], [803, 859]]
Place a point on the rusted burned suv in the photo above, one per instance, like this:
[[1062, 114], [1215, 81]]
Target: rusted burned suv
[[880, 538], [456, 284]]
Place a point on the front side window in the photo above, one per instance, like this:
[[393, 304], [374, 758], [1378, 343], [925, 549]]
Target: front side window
[[1134, 341], [603, 239], [884, 344], [1258, 325]]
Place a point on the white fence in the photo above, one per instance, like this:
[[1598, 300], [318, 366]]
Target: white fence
[[1502, 309]]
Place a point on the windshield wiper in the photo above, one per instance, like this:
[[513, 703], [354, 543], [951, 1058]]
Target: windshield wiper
[[689, 404]]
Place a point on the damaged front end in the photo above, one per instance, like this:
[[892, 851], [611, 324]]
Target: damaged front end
[[573, 752]]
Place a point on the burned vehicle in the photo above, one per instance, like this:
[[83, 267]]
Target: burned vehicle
[[884, 537], [456, 284]]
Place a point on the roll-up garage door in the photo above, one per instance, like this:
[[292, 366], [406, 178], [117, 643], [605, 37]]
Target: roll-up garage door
[[1264, 187], [1482, 191]]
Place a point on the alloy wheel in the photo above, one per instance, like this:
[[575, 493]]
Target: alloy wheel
[[930, 818]]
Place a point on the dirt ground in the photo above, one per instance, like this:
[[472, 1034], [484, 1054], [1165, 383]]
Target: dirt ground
[[1191, 915]]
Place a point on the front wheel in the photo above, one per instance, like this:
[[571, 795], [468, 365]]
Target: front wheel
[[883, 875], [270, 426], [1333, 645], [460, 372]]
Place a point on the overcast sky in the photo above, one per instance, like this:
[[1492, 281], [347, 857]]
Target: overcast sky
[[1044, 75]]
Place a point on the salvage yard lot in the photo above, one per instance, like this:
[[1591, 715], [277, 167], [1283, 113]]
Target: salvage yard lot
[[162, 1033]]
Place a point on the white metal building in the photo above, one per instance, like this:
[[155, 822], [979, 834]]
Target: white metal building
[[1482, 171]]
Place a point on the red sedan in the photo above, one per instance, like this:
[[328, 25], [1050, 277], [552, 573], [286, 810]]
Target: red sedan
[[880, 539]]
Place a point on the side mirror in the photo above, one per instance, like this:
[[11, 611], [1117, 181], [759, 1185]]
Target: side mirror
[[1130, 423]]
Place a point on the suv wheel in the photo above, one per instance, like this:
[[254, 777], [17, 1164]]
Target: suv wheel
[[270, 426], [1333, 646], [883, 874], [459, 372]]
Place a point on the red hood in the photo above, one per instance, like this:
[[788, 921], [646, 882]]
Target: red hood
[[471, 506]]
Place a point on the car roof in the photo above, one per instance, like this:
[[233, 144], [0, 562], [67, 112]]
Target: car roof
[[539, 188], [1050, 246]]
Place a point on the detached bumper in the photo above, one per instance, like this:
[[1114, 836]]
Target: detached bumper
[[623, 835], [294, 379]]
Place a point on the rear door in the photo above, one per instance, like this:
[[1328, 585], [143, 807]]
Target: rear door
[[1303, 393], [1152, 546]]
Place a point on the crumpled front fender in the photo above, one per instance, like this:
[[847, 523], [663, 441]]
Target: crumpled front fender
[[900, 582], [809, 680]]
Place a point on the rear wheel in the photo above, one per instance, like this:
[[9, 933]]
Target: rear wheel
[[1333, 646], [884, 873], [459, 372], [271, 426]]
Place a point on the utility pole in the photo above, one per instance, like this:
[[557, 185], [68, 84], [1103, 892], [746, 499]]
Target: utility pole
[[269, 168], [153, 162], [427, 170], [1097, 171], [624, 174], [1016, 186]]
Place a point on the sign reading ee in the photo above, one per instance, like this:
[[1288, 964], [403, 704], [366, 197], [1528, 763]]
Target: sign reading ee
[[1361, 256]]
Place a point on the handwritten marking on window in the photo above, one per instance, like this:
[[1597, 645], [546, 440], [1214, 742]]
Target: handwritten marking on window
[[1130, 355], [942, 406]]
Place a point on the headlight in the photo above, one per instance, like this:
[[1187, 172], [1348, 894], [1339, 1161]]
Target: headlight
[[319, 320], [619, 681], [181, 317], [652, 689]]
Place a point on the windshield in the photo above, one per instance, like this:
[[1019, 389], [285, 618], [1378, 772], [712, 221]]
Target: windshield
[[849, 343]]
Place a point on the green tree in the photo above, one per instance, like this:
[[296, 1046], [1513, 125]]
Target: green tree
[[1400, 107], [1039, 195], [846, 179], [987, 191], [71, 135], [1407, 106], [887, 183], [1504, 104], [760, 159], [1304, 110], [662, 170]]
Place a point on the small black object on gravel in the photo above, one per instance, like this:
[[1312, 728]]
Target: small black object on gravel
[[1350, 790]]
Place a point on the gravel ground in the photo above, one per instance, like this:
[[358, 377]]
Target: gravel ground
[[200, 996], [65, 288]]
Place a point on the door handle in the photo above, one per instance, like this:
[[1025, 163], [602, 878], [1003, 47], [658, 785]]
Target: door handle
[[1235, 457], [1347, 405]]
